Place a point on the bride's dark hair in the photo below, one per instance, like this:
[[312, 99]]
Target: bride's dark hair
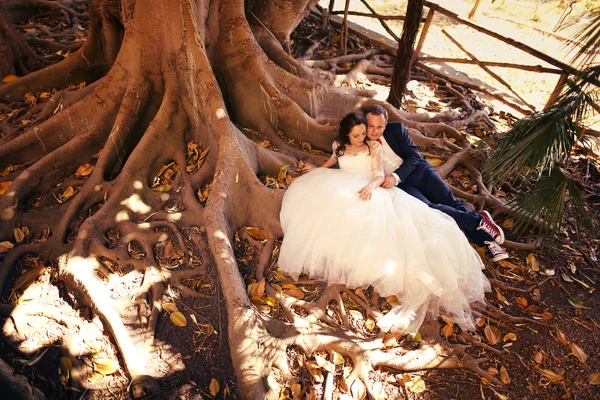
[[346, 124]]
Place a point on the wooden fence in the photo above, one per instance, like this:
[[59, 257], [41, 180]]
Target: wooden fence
[[558, 67]]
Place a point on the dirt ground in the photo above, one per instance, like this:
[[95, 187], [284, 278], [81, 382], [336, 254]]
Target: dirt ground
[[552, 360]]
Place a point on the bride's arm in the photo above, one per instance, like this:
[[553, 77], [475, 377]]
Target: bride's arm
[[378, 174], [328, 164]]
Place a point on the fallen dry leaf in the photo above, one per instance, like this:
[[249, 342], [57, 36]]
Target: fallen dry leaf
[[19, 235], [4, 186], [5, 246], [434, 161], [84, 170], [214, 387], [170, 307], [594, 379], [504, 375], [178, 319], [579, 353], [105, 365], [553, 376], [532, 262], [538, 357], [9, 78], [492, 334], [448, 330], [561, 337], [358, 390], [509, 336]]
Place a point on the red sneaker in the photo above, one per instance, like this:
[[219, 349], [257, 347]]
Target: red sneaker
[[488, 225]]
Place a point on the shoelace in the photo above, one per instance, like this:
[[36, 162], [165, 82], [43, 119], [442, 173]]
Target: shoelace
[[487, 228]]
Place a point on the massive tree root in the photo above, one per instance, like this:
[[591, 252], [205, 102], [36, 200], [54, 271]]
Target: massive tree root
[[155, 183]]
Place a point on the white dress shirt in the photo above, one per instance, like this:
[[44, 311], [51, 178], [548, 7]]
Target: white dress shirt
[[391, 160]]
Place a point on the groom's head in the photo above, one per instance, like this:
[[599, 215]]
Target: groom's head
[[377, 118]]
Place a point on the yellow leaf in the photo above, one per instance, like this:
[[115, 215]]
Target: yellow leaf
[[532, 262], [4, 186], [508, 223], [392, 300], [289, 286], [69, 192], [5, 246], [19, 235], [361, 293], [9, 78], [170, 307], [579, 353], [65, 365], [214, 387], [370, 324], [105, 365], [337, 358], [84, 170], [391, 339], [448, 330], [510, 336], [356, 314], [162, 188], [504, 375], [492, 334], [594, 379], [270, 301], [177, 318], [95, 376], [256, 233], [259, 288], [297, 390], [434, 161], [257, 301]]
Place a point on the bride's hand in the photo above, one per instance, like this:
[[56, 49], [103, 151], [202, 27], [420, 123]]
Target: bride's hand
[[365, 193], [308, 167]]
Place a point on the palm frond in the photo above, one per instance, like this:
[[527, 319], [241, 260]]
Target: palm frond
[[537, 142], [545, 203], [585, 28]]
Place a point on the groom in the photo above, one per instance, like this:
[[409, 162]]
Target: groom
[[404, 167]]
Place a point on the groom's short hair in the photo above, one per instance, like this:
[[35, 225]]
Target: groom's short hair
[[377, 110]]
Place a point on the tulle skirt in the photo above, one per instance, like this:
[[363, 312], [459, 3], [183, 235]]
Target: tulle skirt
[[394, 242]]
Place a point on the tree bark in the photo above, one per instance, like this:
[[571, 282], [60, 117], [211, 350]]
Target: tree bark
[[404, 56]]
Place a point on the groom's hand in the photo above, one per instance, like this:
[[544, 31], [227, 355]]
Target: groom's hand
[[389, 182]]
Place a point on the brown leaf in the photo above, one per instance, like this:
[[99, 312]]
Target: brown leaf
[[504, 375], [492, 371], [4, 186], [561, 337], [594, 379], [28, 277], [532, 262], [492, 334], [507, 264], [256, 233], [553, 376], [522, 301], [508, 223], [9, 78], [69, 192], [178, 319], [214, 387], [391, 339], [536, 294], [84, 170], [5, 246], [538, 357], [30, 98], [579, 353], [19, 235], [299, 294]]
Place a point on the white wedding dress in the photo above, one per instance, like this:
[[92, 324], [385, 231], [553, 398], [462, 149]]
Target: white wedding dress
[[393, 241]]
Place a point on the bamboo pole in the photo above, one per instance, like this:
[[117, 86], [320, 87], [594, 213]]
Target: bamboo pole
[[557, 90], [344, 30], [486, 69], [512, 42], [532, 68], [385, 26], [479, 88], [474, 9], [424, 32], [376, 16]]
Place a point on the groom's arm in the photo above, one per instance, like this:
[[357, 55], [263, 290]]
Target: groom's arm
[[409, 151]]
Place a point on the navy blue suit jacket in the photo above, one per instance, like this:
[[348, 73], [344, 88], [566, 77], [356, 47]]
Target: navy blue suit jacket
[[396, 135]]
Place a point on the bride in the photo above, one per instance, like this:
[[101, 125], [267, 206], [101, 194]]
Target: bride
[[342, 227]]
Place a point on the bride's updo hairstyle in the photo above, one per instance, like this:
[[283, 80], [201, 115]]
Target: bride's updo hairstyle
[[346, 124]]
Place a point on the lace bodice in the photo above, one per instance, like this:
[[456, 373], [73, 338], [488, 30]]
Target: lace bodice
[[365, 161]]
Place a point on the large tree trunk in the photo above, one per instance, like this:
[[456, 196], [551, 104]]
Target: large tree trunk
[[404, 56], [185, 73]]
